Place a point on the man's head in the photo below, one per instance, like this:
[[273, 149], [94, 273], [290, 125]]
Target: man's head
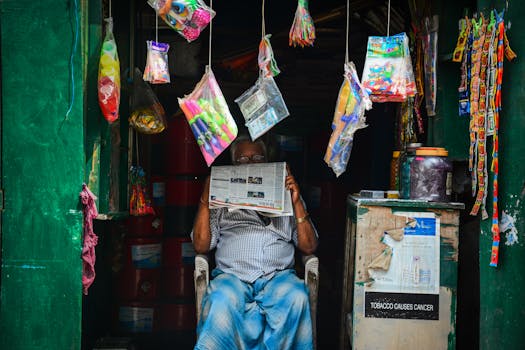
[[245, 151]]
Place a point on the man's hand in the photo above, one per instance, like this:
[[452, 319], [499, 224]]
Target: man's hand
[[206, 191], [292, 186]]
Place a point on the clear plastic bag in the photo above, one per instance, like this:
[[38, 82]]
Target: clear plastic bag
[[388, 75], [148, 115], [209, 117], [156, 71], [187, 17], [349, 117], [262, 106], [109, 75]]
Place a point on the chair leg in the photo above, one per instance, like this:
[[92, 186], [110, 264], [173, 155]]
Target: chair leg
[[311, 280], [201, 280]]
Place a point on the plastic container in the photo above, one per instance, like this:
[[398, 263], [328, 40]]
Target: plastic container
[[405, 160], [137, 317], [431, 175], [394, 171], [138, 284], [177, 316], [177, 282]]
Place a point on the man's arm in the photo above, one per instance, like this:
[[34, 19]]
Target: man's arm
[[201, 226], [306, 237]]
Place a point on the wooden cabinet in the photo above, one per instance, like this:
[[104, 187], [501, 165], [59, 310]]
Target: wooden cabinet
[[400, 274]]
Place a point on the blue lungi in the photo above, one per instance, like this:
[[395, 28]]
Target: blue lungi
[[272, 314]]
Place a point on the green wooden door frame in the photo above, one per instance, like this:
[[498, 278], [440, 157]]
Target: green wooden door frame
[[42, 172]]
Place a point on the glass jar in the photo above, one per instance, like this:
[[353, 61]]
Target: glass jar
[[431, 175], [405, 159], [394, 171]]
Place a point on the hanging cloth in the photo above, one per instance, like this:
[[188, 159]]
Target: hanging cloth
[[90, 239]]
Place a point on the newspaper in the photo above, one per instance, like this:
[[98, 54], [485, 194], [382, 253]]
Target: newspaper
[[259, 187]]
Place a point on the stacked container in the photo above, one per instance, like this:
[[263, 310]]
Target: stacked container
[[138, 281], [185, 172]]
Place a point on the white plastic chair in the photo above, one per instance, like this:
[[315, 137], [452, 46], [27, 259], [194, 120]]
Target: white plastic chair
[[311, 279]]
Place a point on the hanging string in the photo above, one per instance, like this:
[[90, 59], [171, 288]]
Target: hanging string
[[137, 147], [209, 44], [263, 33], [109, 8], [347, 28], [388, 20], [156, 26]]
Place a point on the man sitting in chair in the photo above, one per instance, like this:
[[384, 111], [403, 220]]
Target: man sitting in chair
[[255, 300]]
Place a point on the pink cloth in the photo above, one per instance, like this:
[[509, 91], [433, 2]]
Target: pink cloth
[[89, 237]]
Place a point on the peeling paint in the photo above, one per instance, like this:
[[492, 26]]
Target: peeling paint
[[507, 225]]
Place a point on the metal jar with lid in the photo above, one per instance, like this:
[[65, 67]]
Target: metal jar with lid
[[431, 175], [405, 159]]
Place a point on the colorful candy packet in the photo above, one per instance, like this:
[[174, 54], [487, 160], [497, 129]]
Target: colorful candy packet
[[388, 74], [157, 71], [349, 116], [266, 60], [140, 200], [109, 75], [209, 117], [187, 17], [302, 32]]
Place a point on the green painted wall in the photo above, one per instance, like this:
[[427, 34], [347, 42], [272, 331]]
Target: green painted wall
[[502, 313], [43, 170], [502, 289]]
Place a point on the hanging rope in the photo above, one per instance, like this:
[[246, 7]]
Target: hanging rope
[[347, 29], [110, 8], [209, 43], [263, 27], [156, 26], [137, 147], [388, 20]]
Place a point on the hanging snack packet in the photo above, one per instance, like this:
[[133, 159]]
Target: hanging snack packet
[[388, 74], [109, 75], [209, 117], [156, 71], [262, 106], [187, 17], [349, 117], [140, 200], [302, 32], [267, 63], [148, 115]]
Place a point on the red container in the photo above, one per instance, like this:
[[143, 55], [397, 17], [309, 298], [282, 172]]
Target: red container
[[184, 190], [138, 284], [178, 251], [177, 316], [143, 253], [177, 282], [146, 225], [158, 191], [182, 154], [136, 317]]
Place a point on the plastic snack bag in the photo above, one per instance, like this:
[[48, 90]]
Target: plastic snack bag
[[266, 61], [187, 17], [148, 115], [388, 74], [156, 71], [140, 200], [262, 106], [109, 75], [209, 117], [349, 117], [302, 32]]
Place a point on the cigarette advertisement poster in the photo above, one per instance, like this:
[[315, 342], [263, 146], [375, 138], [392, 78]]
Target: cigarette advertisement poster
[[409, 289]]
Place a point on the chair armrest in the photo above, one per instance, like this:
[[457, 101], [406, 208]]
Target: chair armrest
[[311, 279], [201, 279]]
